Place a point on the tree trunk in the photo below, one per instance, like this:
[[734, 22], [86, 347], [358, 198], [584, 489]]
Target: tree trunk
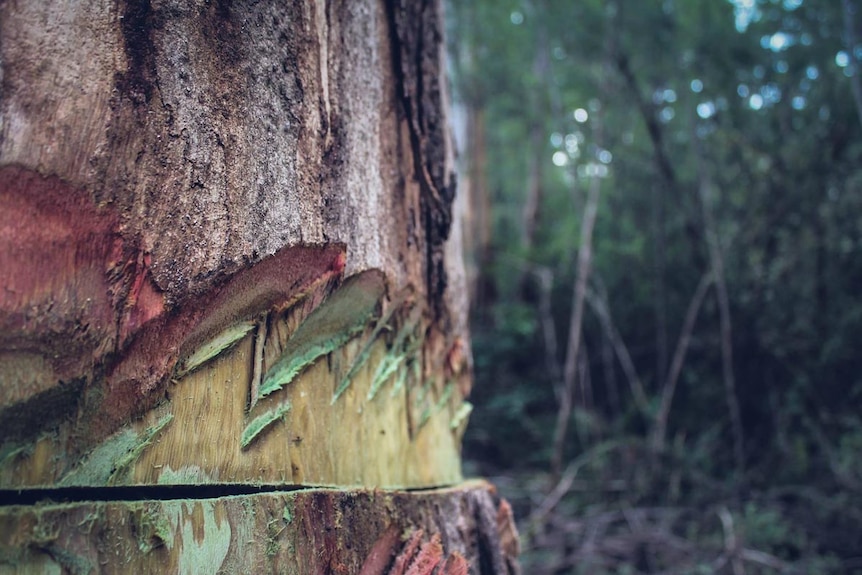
[[228, 282]]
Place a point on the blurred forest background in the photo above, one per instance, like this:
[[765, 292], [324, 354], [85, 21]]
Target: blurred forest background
[[665, 257]]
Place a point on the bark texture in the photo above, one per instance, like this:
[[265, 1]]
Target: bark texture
[[153, 152], [334, 531]]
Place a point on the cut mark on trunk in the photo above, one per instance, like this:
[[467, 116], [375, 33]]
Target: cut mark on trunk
[[215, 347], [424, 391], [397, 353], [407, 553], [261, 423], [204, 326], [430, 555], [433, 409], [257, 366], [461, 415], [455, 564], [108, 462], [335, 322], [413, 364], [381, 552], [400, 381], [89, 493], [365, 353]]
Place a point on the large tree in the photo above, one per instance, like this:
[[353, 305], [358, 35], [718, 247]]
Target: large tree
[[231, 277]]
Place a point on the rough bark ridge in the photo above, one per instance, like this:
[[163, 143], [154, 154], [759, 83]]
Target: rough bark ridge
[[419, 69], [219, 132], [335, 531]]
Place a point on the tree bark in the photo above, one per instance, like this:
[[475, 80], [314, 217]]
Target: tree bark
[[307, 531], [226, 255]]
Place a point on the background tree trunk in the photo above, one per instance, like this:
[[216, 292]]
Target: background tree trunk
[[227, 268]]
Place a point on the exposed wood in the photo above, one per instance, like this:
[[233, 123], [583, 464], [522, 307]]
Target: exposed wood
[[406, 435], [304, 531]]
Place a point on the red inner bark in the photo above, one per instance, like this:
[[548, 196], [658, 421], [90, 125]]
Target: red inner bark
[[78, 292]]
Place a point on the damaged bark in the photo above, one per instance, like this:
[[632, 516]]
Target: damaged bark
[[418, 60], [227, 262], [303, 531]]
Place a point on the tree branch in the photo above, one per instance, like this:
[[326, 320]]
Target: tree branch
[[665, 167], [549, 331], [704, 190], [635, 384], [669, 388], [588, 222], [850, 38]]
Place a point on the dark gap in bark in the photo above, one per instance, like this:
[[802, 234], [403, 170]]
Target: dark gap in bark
[[136, 24], [136, 493], [79, 494], [415, 60], [24, 420]]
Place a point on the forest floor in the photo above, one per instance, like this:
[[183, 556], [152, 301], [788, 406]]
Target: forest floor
[[639, 517]]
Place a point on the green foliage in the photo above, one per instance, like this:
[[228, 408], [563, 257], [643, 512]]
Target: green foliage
[[754, 104]]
